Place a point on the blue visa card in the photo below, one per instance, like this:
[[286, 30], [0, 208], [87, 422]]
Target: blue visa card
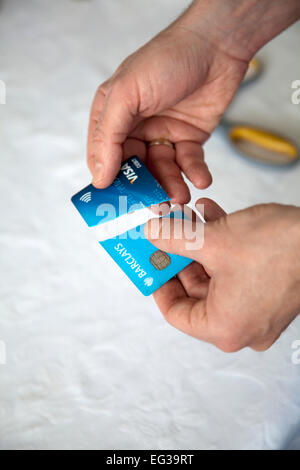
[[134, 188], [146, 266]]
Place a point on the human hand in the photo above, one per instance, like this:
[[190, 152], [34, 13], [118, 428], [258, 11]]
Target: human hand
[[244, 287], [177, 87]]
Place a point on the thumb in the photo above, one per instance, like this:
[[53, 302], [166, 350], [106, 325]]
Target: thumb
[[188, 236], [118, 117], [178, 236]]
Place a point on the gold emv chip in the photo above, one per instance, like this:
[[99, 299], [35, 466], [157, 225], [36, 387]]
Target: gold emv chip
[[160, 260]]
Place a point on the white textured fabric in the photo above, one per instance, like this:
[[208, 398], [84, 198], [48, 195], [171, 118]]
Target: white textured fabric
[[91, 363]]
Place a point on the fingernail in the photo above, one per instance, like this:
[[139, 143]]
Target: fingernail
[[98, 172]]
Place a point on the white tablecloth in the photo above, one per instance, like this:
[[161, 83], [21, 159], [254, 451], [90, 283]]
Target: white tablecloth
[[91, 363]]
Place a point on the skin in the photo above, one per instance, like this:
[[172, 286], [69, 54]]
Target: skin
[[243, 288], [177, 87], [151, 95]]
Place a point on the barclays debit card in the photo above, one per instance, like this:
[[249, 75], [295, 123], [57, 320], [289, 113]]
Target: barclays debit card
[[133, 189]]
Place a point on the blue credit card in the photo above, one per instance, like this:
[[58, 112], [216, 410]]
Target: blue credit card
[[134, 188], [146, 266]]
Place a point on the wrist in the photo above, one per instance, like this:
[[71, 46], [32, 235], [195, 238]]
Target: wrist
[[240, 27]]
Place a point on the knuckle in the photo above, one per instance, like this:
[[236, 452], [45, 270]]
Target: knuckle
[[118, 85], [124, 91], [102, 89], [230, 340], [260, 348], [264, 209], [98, 134], [229, 345], [263, 345], [125, 65]]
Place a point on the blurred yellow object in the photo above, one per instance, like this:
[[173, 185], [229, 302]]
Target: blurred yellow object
[[263, 145], [259, 144]]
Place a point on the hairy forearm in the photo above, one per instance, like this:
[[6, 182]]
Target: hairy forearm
[[240, 27]]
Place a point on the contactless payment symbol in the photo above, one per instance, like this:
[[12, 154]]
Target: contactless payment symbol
[[146, 266], [86, 197]]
